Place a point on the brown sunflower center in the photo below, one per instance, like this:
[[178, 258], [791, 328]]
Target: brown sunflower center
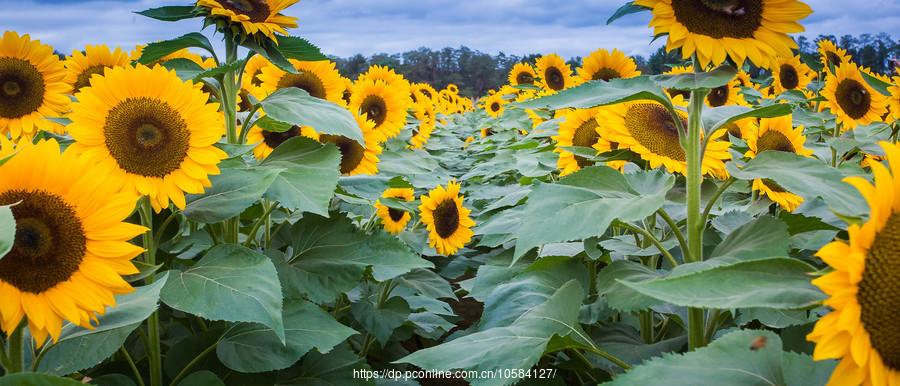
[[446, 218], [833, 58], [718, 96], [586, 135], [879, 295], [49, 242], [21, 88], [306, 80], [774, 140], [146, 136], [254, 80], [788, 77], [396, 215], [375, 109], [273, 139], [351, 151], [245, 104], [256, 10], [84, 78], [554, 78], [773, 186], [655, 129], [733, 129], [686, 94], [606, 73], [720, 18], [426, 92], [853, 98], [524, 77], [495, 107]]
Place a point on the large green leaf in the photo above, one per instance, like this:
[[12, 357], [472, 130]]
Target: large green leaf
[[763, 237], [381, 321], [599, 93], [232, 191], [310, 172], [626, 9], [731, 359], [170, 13], [805, 177], [158, 50], [330, 256], [36, 379], [7, 230], [184, 68], [202, 378], [293, 47], [690, 81], [79, 348], [270, 51], [295, 106], [518, 345], [252, 347], [715, 117], [341, 366], [230, 283], [557, 212], [621, 297]]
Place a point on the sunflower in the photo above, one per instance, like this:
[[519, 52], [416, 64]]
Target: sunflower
[[388, 75], [157, 139], [250, 80], [32, 86], [266, 141], [685, 94], [851, 99], [554, 73], [738, 29], [355, 159], [777, 134], [320, 79], [394, 220], [71, 244], [251, 17], [742, 128], [603, 65], [744, 78], [580, 128], [727, 94], [790, 74], [862, 329], [425, 114], [648, 129], [426, 90], [446, 219], [493, 105], [380, 103], [452, 89], [80, 66], [894, 98], [831, 55], [521, 73]]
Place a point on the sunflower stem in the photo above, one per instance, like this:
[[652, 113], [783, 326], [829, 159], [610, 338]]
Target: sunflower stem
[[134, 369], [646, 318], [694, 177], [269, 206], [230, 90], [651, 237], [154, 353], [14, 345], [712, 201], [680, 236], [193, 362]]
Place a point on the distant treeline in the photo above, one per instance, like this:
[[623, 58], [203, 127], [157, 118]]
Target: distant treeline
[[476, 72]]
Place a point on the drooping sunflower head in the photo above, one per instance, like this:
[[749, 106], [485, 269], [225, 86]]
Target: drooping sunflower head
[[320, 79], [355, 158], [81, 66], [381, 104], [32, 86], [603, 65], [250, 18], [580, 128], [831, 55], [156, 140], [777, 134], [737, 29], [554, 73], [790, 74], [851, 99], [862, 331], [394, 220], [250, 80], [521, 73], [446, 219], [71, 244]]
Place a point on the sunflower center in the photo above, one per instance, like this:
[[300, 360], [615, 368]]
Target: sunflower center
[[446, 218], [375, 109], [245, 104], [733, 129], [686, 94], [254, 80], [396, 215], [488, 131], [720, 19], [718, 96], [84, 78], [879, 295], [256, 10], [146, 137], [49, 242], [586, 135], [554, 78], [273, 139], [426, 92], [833, 58], [655, 129], [306, 80], [351, 151], [773, 186], [853, 98], [524, 78], [606, 73], [21, 88], [495, 107], [774, 140], [788, 77]]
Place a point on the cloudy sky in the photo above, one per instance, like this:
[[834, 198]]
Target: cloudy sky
[[346, 27]]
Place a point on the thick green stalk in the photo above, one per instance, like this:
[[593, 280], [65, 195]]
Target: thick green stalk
[[14, 363], [230, 90], [154, 351], [695, 223], [646, 318]]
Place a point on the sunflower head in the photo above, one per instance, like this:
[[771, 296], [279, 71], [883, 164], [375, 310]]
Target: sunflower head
[[727, 94], [356, 159], [603, 65], [94, 60], [385, 106], [851, 98], [320, 79], [446, 219], [554, 73], [831, 55], [249, 18], [790, 74], [777, 134], [580, 128], [494, 105], [394, 220], [266, 141], [521, 73]]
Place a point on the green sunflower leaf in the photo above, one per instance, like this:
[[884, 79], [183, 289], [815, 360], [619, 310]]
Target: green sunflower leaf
[[36, 379], [270, 51], [556, 212], [295, 106], [732, 358], [202, 378], [720, 76], [812, 62], [232, 191], [170, 13], [293, 47], [878, 84], [221, 70], [158, 50], [230, 283], [619, 296], [309, 172], [338, 367], [7, 230], [716, 117], [79, 348], [381, 321], [253, 348], [805, 177], [184, 68], [599, 93], [268, 124], [626, 9]]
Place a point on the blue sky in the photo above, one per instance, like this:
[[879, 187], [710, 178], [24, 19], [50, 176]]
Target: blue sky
[[346, 27]]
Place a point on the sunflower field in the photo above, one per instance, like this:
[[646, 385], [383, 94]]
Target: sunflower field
[[252, 217]]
